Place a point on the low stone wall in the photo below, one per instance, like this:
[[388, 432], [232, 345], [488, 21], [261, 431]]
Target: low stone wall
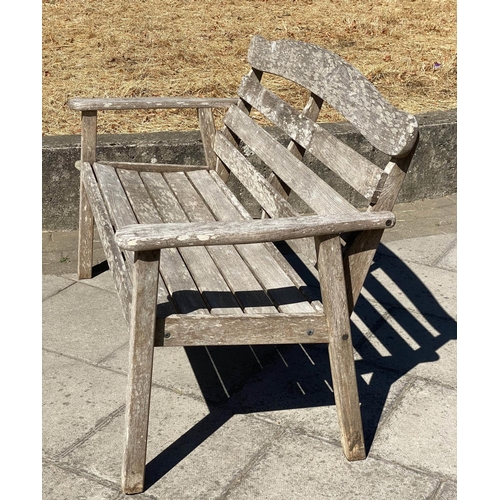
[[433, 173]]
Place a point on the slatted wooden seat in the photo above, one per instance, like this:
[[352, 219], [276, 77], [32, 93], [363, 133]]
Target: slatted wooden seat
[[193, 267]]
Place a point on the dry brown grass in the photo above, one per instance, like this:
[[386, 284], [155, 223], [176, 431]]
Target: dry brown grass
[[120, 48]]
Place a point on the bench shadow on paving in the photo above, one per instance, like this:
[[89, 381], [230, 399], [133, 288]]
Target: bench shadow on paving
[[398, 326]]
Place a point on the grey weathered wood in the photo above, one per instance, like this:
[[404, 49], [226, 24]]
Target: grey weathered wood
[[142, 331], [121, 212], [233, 269], [313, 190], [151, 236], [86, 220], [271, 277], [340, 348], [239, 212], [113, 253], [145, 212], [207, 131], [311, 110], [260, 188], [153, 167], [172, 267], [247, 329], [178, 280], [352, 167], [124, 103], [221, 168], [341, 85]]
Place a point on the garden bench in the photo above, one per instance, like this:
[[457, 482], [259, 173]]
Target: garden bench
[[192, 267]]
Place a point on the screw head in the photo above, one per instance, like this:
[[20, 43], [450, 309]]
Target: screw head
[[166, 335], [345, 336], [310, 332]]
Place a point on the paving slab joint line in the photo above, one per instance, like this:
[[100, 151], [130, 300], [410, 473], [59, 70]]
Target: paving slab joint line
[[423, 472], [110, 355], [445, 253], [392, 408], [435, 495], [103, 422], [300, 431], [253, 460], [84, 474], [59, 291]]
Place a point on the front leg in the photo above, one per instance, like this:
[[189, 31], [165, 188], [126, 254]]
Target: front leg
[[142, 331]]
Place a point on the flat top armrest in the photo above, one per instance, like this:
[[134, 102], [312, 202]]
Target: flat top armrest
[[141, 237], [124, 103]]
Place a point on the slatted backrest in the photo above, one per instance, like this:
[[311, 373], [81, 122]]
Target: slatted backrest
[[328, 78]]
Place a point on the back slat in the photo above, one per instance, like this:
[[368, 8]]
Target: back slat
[[263, 192], [356, 170], [313, 190], [390, 130]]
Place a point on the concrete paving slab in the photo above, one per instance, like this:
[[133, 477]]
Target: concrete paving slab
[[83, 321], [76, 398], [449, 260], [217, 463], [424, 250], [413, 344], [421, 432], [171, 416], [299, 467], [297, 393], [192, 453], [54, 284], [211, 373], [171, 369], [102, 279], [58, 483], [448, 491], [413, 286]]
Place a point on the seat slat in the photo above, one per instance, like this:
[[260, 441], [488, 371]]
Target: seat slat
[[172, 268], [112, 251], [352, 167], [238, 210], [229, 262], [262, 263], [122, 214], [201, 268], [313, 190]]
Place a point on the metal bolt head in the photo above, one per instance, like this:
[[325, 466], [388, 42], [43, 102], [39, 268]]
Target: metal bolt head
[[166, 335], [310, 332], [345, 336]]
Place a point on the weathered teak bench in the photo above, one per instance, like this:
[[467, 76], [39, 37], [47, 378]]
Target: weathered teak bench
[[192, 267]]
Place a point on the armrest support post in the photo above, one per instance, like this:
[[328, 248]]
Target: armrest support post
[[86, 219]]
